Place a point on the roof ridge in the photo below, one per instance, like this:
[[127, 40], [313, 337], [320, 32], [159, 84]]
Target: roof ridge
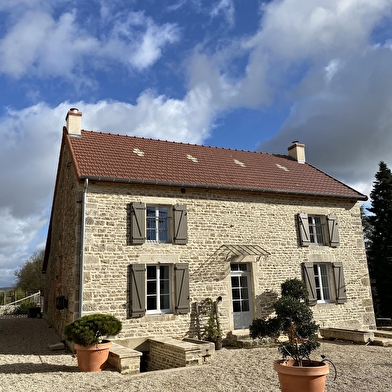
[[182, 143]]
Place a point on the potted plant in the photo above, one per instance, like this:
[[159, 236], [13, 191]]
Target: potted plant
[[295, 331], [87, 335], [212, 330]]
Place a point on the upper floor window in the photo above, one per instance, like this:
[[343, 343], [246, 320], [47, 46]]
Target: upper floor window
[[158, 223], [318, 229]]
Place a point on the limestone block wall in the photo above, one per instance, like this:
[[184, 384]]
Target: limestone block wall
[[62, 274], [216, 218]]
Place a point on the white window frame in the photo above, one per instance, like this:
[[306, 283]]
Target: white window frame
[[316, 230], [157, 220], [323, 282], [157, 292]]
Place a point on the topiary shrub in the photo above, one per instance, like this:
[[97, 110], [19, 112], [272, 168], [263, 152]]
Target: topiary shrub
[[91, 329], [293, 319]]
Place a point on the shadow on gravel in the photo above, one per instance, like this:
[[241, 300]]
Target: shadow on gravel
[[27, 336], [29, 368]]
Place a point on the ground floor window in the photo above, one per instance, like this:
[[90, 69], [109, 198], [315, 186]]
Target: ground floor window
[[321, 278], [158, 289]]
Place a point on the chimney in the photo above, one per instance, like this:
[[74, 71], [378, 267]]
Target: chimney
[[297, 151], [74, 122]]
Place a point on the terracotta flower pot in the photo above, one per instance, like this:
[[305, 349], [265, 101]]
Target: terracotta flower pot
[[93, 358], [308, 378]]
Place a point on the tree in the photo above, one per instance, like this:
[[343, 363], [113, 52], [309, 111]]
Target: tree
[[366, 227], [380, 241], [29, 277]]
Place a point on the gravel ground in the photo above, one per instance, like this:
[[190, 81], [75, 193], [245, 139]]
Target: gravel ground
[[26, 364]]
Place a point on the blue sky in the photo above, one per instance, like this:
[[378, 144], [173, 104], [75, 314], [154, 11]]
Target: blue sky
[[243, 74]]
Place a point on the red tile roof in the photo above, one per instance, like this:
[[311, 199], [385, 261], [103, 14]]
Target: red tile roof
[[109, 157]]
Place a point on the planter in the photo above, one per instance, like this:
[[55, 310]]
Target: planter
[[93, 358], [308, 378]]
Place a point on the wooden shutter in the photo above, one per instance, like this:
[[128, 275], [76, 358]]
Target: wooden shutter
[[137, 290], [138, 223], [303, 225], [308, 275], [333, 230], [340, 284], [182, 288], [180, 222]]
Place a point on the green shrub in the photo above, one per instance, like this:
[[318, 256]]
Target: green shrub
[[91, 329], [23, 307], [293, 319]]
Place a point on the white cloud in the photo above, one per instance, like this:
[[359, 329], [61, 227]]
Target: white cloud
[[30, 143], [36, 41], [225, 7]]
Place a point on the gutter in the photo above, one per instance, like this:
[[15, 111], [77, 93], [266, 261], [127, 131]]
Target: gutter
[[82, 240], [222, 187]]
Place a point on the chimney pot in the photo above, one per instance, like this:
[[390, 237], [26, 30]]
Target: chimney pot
[[297, 151], [74, 122]]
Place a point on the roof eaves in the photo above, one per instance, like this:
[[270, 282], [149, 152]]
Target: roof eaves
[[224, 187]]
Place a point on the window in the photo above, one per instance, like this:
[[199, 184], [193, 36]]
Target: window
[[157, 223], [239, 287], [318, 230], [158, 289], [152, 287], [322, 282], [325, 282]]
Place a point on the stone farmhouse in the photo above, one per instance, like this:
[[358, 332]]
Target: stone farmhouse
[[146, 230]]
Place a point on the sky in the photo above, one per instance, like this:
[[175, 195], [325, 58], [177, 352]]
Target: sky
[[241, 74]]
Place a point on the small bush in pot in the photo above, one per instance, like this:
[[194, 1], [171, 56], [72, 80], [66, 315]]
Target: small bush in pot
[[91, 329], [87, 333], [294, 320]]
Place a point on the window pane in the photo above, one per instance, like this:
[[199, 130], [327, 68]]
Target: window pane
[[245, 306], [165, 301], [151, 272], [151, 287], [236, 306], [164, 270], [244, 293], [243, 267], [164, 286], [234, 267], [235, 281], [244, 281], [236, 294], [151, 303]]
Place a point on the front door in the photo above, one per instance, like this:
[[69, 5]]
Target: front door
[[241, 295]]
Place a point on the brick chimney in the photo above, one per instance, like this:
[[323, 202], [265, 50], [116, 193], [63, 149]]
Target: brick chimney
[[74, 122], [297, 151]]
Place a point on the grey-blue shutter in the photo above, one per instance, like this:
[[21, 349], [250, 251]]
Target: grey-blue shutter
[[180, 224], [340, 284], [138, 223], [137, 290], [308, 275], [333, 230], [303, 226], [182, 288]]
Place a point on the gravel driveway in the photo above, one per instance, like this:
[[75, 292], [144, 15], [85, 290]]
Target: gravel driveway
[[26, 364]]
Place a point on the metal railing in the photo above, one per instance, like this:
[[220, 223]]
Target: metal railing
[[11, 307]]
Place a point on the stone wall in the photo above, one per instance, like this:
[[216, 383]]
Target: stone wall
[[215, 218]]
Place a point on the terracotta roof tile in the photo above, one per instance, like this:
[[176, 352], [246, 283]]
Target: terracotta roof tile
[[104, 156]]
